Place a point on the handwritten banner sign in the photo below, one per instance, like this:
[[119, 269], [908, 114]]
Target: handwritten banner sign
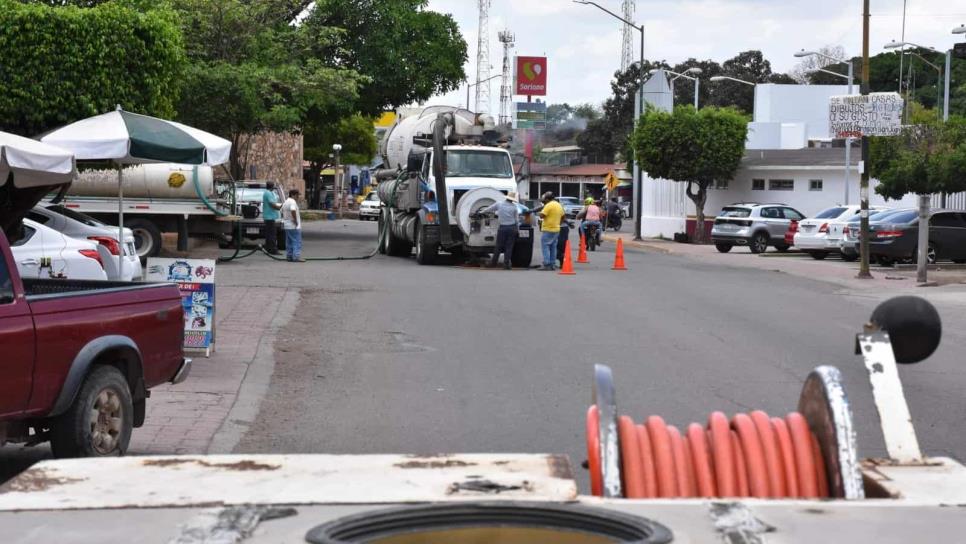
[[196, 281], [874, 114]]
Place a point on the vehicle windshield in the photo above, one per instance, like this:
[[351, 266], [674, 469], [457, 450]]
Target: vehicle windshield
[[76, 216], [373, 197], [568, 201], [830, 213], [464, 163], [735, 212], [249, 194]]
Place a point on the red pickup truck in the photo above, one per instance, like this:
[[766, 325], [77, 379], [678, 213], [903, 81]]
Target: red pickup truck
[[78, 357]]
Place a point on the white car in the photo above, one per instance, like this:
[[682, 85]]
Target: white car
[[369, 208], [83, 227], [43, 253], [820, 235]]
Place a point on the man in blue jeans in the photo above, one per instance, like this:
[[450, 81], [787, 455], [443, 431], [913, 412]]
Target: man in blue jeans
[[552, 213], [292, 222]]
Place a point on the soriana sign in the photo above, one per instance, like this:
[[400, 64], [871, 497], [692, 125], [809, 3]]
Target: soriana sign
[[530, 78]]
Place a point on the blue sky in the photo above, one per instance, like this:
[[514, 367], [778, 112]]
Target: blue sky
[[584, 43]]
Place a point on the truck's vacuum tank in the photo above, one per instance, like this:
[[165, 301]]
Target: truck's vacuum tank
[[162, 180], [398, 142]]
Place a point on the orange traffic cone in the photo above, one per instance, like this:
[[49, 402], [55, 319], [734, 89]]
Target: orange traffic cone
[[619, 256], [582, 252], [568, 266]]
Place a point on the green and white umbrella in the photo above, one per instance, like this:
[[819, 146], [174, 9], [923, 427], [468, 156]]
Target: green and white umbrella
[[127, 138]]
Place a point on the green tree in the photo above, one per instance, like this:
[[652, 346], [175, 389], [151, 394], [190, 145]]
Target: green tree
[[407, 52], [61, 64], [356, 136], [697, 147], [253, 71], [928, 157], [747, 66]]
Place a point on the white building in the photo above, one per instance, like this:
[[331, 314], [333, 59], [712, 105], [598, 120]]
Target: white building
[[788, 159]]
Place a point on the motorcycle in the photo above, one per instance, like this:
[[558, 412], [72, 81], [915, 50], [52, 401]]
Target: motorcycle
[[615, 221], [592, 235]]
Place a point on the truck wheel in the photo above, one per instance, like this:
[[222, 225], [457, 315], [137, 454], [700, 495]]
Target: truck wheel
[[99, 422], [425, 252], [522, 253], [396, 247], [147, 238]]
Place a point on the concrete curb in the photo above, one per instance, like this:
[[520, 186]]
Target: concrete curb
[[650, 246]]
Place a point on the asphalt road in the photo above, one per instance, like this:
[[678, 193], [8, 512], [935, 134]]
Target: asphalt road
[[384, 355]]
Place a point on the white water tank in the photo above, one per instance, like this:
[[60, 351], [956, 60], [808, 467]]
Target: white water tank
[[161, 181]]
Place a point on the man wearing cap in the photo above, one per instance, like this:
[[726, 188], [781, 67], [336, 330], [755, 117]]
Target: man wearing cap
[[509, 217]]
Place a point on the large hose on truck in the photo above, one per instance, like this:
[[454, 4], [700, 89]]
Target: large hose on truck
[[381, 240]]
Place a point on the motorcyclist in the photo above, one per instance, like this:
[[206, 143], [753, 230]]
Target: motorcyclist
[[590, 215], [613, 210]]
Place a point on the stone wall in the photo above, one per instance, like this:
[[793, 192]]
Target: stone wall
[[275, 156]]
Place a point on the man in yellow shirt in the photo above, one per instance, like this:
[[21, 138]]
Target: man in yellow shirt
[[552, 213]]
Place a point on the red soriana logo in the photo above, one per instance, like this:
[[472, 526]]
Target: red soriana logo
[[531, 76]]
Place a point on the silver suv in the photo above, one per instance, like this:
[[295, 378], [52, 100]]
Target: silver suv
[[754, 225]]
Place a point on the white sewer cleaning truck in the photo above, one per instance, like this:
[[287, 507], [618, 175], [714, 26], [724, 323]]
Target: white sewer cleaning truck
[[442, 167]]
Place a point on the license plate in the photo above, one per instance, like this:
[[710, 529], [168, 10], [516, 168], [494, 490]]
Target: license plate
[[808, 228], [524, 234], [252, 230]]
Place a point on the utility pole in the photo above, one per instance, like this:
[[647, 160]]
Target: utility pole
[[338, 182], [864, 183]]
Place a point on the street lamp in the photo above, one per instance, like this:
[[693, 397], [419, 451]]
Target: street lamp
[[638, 106], [337, 149], [468, 85], [697, 82], [850, 78], [958, 30], [723, 78]]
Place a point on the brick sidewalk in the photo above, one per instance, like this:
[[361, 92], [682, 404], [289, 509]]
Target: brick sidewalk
[[183, 418]]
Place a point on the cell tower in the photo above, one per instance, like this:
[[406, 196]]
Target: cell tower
[[506, 92], [483, 59], [627, 45]]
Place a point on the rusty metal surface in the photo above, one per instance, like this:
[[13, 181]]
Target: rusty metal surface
[[826, 407], [890, 401], [218, 480]]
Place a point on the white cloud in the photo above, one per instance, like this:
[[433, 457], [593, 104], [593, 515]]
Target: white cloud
[[583, 43]]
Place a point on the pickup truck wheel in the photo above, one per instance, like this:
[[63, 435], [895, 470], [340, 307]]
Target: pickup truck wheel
[[147, 238], [99, 422]]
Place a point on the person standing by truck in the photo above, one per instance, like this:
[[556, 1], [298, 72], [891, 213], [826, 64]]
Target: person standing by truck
[[552, 213], [270, 207], [509, 216], [292, 223]]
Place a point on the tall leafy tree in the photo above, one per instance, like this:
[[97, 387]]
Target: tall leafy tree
[[408, 53], [748, 66], [252, 70], [697, 147], [61, 64]]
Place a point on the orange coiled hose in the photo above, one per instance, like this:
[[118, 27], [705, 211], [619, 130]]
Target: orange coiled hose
[[751, 455]]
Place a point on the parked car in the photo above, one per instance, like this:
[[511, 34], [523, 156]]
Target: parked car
[[79, 356], [248, 205], [84, 227], [813, 236], [754, 225], [897, 237], [42, 252], [369, 208], [849, 241], [571, 205]]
